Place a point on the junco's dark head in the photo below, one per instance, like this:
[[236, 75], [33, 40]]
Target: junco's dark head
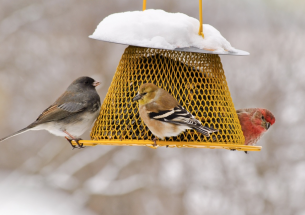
[[83, 83]]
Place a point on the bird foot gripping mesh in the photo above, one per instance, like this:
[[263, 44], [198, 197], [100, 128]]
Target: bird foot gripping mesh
[[196, 80]]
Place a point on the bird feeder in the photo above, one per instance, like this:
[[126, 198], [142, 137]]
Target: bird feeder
[[195, 77]]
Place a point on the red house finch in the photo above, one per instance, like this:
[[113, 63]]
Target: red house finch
[[254, 122]]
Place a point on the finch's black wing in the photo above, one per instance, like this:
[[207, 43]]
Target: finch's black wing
[[180, 116]]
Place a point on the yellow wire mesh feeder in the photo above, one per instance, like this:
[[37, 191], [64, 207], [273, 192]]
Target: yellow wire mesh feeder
[[196, 80]]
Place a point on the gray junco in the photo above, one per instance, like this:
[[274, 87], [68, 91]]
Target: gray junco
[[71, 114]]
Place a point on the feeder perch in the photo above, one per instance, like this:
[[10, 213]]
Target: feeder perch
[[195, 77]]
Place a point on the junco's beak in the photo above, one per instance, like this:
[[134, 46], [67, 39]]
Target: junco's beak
[[96, 83], [137, 97]]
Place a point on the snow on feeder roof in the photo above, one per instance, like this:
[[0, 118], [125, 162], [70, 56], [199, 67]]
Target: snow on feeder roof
[[163, 30]]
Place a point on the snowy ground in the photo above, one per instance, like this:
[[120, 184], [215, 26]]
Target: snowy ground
[[28, 194]]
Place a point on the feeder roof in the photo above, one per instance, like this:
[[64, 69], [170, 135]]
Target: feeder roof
[[163, 30]]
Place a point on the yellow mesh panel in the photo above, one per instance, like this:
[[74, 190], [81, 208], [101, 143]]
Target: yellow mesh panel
[[196, 80]]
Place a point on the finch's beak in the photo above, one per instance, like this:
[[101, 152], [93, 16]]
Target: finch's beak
[[267, 125], [137, 97], [96, 83]]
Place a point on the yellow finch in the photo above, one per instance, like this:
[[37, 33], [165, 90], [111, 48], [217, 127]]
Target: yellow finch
[[163, 115]]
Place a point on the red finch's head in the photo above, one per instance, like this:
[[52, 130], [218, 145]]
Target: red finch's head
[[262, 118], [254, 122]]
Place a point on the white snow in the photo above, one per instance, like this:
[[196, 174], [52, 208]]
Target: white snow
[[160, 29]]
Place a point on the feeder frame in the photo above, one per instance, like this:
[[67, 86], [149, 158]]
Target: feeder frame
[[196, 80]]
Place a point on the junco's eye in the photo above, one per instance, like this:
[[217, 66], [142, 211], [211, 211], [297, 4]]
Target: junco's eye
[[86, 82]]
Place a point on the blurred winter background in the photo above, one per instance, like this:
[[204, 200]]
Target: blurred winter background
[[44, 45]]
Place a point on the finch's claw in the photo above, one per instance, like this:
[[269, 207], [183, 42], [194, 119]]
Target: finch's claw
[[246, 152], [155, 144], [233, 149]]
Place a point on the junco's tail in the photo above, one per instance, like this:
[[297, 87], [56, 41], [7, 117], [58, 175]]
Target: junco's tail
[[16, 133]]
